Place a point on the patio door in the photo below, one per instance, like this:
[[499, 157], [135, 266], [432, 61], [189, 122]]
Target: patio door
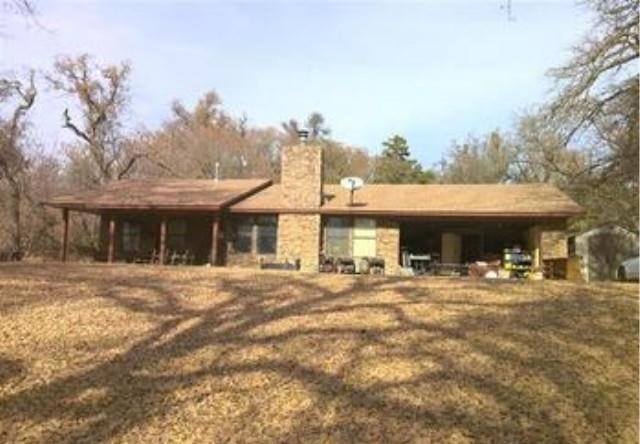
[[451, 248], [364, 237]]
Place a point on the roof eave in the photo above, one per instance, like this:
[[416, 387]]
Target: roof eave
[[85, 206], [77, 206], [406, 213]]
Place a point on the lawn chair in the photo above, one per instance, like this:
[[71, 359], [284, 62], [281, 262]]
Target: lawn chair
[[326, 264], [174, 257], [189, 258], [142, 257], [345, 265], [185, 258], [155, 257]]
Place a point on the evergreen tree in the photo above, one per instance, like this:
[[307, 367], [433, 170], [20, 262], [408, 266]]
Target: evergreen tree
[[396, 166], [396, 147]]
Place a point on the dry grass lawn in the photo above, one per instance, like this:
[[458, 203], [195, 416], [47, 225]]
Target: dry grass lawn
[[94, 353]]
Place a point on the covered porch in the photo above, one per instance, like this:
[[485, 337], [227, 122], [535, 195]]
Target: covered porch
[[429, 245], [165, 221], [177, 238], [439, 245]]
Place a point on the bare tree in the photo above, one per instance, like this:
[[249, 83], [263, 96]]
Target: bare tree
[[602, 70], [195, 140], [23, 8], [597, 109], [315, 124], [101, 93], [291, 129], [602, 63], [478, 160], [19, 96], [342, 160]]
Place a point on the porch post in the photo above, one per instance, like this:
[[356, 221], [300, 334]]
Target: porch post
[[215, 228], [112, 240], [538, 253], [65, 233], [163, 239]]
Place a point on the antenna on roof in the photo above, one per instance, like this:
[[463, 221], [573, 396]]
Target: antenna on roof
[[352, 184]]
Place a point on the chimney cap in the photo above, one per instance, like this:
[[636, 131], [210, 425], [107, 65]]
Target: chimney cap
[[303, 134]]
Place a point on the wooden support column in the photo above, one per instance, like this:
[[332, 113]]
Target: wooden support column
[[65, 234], [215, 229], [112, 240], [537, 257], [163, 239]]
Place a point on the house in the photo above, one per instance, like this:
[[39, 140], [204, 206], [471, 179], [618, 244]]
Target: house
[[601, 250], [240, 222]]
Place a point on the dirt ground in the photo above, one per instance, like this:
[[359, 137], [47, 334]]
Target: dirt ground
[[93, 353]]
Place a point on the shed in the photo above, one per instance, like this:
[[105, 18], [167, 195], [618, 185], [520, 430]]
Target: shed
[[602, 249]]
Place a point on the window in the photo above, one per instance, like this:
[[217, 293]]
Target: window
[[131, 236], [364, 237], [258, 235], [267, 234], [337, 237], [177, 234], [244, 235]]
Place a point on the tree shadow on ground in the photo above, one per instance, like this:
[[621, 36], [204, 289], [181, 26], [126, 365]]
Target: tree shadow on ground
[[310, 358], [10, 369]]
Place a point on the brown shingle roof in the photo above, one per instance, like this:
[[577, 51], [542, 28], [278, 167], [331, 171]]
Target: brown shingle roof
[[170, 194], [522, 200]]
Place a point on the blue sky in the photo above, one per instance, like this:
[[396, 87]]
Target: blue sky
[[432, 71]]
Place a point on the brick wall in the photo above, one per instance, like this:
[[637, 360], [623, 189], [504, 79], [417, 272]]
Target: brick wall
[[299, 238], [388, 244], [301, 175]]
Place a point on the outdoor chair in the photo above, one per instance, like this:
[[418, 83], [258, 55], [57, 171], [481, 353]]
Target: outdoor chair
[[155, 257], [345, 265], [174, 258], [186, 258], [144, 257], [286, 265], [326, 264], [10, 256]]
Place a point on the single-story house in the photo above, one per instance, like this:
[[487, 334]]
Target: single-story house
[[240, 222], [601, 250]]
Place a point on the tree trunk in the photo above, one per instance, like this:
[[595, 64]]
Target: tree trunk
[[15, 199]]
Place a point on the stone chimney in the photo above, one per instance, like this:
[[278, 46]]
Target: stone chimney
[[301, 182], [301, 175]]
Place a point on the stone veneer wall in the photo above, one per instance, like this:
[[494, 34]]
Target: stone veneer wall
[[301, 179], [547, 241], [299, 238], [554, 244], [301, 176], [553, 240], [388, 244]]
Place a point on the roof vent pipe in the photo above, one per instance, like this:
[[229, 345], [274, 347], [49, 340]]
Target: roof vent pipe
[[217, 172]]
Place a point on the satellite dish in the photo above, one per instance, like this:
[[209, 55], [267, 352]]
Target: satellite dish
[[351, 184]]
